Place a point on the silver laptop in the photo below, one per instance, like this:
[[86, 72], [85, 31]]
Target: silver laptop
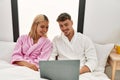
[[60, 69]]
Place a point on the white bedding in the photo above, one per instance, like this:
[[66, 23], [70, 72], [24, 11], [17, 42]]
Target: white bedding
[[94, 76], [11, 72]]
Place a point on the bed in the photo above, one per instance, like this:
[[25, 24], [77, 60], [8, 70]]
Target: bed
[[12, 72]]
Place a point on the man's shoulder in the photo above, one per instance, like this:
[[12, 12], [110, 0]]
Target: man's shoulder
[[57, 37], [80, 35]]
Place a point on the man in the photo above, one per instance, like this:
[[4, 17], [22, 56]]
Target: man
[[74, 45]]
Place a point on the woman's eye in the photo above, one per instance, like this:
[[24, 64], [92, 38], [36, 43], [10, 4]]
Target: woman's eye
[[47, 27], [42, 26]]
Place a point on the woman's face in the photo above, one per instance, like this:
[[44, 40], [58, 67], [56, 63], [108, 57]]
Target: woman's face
[[42, 28]]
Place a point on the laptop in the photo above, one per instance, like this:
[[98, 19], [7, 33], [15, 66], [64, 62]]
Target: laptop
[[60, 69]]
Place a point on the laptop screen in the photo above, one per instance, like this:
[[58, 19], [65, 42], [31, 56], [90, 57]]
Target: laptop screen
[[60, 69]]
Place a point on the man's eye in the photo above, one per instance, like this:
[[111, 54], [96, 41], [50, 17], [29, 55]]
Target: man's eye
[[61, 25], [66, 24]]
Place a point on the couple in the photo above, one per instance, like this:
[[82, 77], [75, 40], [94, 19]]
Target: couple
[[35, 46]]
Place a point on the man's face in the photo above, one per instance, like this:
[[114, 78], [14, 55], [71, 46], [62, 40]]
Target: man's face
[[66, 27]]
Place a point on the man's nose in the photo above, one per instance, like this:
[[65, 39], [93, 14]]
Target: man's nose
[[64, 27]]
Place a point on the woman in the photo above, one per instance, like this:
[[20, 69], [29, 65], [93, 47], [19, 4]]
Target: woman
[[35, 46]]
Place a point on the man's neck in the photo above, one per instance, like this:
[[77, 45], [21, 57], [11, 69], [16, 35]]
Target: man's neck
[[71, 35]]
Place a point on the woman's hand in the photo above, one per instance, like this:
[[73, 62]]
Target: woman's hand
[[29, 65], [32, 66]]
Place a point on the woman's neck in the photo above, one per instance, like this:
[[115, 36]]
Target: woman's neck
[[36, 39]]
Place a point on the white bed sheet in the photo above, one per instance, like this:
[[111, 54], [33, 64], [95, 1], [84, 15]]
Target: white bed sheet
[[11, 72], [94, 76]]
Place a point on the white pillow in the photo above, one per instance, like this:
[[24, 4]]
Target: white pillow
[[6, 50], [103, 52]]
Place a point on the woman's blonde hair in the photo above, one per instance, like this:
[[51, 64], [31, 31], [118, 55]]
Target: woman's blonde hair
[[37, 20]]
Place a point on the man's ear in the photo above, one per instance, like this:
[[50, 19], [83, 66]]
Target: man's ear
[[71, 22]]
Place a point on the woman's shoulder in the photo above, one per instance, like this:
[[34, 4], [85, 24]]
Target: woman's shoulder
[[45, 39], [23, 37]]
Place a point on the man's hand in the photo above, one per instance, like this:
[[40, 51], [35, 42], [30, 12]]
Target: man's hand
[[84, 69]]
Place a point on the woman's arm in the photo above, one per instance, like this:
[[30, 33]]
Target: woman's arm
[[46, 51], [24, 63], [17, 53]]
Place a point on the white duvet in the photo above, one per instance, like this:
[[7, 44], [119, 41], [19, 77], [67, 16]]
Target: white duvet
[[11, 72], [93, 76]]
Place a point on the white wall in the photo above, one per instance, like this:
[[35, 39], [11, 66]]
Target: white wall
[[6, 31], [28, 9], [102, 20]]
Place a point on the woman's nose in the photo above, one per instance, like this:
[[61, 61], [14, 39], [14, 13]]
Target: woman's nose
[[45, 29]]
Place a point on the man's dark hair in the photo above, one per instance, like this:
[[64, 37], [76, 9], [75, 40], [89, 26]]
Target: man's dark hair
[[63, 17], [45, 17]]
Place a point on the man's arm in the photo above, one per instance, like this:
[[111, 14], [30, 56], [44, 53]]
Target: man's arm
[[91, 55]]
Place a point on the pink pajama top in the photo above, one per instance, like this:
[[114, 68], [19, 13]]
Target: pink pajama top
[[26, 50]]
